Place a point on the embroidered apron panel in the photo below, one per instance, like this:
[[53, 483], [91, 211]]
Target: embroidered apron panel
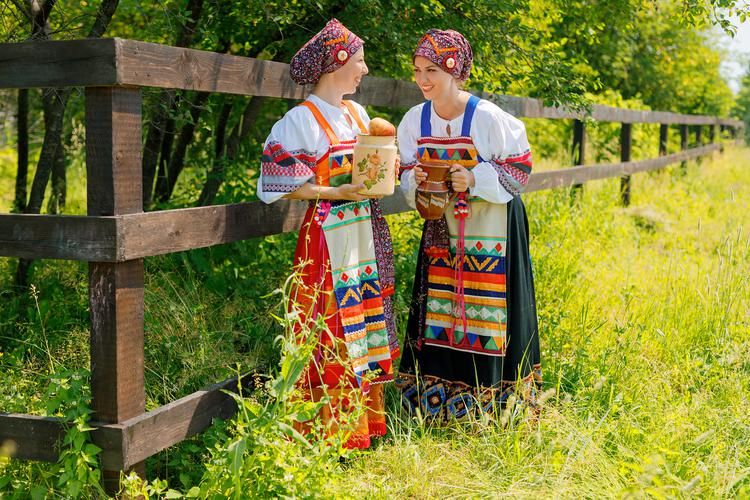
[[356, 286], [483, 272], [347, 228]]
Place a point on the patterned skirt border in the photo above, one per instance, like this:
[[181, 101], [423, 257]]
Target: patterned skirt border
[[445, 400]]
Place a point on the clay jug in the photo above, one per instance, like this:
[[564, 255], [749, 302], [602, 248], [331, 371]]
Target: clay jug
[[433, 195]]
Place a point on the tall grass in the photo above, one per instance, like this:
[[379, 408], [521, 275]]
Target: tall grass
[[646, 342], [645, 345]]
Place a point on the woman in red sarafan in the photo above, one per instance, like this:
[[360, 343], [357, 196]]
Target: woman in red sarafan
[[344, 255]]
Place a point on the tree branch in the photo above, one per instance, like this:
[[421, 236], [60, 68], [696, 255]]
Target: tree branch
[[103, 17]]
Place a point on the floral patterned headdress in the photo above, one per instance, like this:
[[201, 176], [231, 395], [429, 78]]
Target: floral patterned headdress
[[324, 53], [449, 50]]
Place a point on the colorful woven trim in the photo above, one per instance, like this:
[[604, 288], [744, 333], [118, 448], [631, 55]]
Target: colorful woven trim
[[357, 290], [448, 149], [446, 400], [284, 171], [514, 171]]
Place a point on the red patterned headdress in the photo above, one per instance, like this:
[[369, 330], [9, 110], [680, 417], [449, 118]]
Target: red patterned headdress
[[324, 53], [449, 50]]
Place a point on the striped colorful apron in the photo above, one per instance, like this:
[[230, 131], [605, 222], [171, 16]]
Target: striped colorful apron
[[465, 308]]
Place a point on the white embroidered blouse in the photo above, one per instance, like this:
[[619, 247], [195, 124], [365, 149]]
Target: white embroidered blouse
[[500, 140], [297, 142]]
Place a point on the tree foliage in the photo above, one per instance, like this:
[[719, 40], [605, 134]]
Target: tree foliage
[[742, 107], [199, 147]]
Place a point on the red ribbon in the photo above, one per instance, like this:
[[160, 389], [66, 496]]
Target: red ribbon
[[321, 212]]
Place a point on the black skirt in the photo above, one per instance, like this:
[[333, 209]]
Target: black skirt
[[446, 383]]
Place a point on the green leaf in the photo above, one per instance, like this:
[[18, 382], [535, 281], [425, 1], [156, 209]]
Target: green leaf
[[236, 451], [91, 449], [73, 488], [185, 479], [38, 492], [78, 441]]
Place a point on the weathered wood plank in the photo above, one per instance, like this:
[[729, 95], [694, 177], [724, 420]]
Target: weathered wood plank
[[151, 432], [683, 142], [156, 233], [579, 148], [569, 176], [113, 167], [113, 151], [153, 65], [116, 301], [168, 231], [30, 437], [68, 63], [663, 139], [124, 444], [387, 92], [32, 236], [134, 236], [626, 144]]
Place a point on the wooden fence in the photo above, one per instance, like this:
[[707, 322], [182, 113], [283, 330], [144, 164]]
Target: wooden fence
[[117, 235]]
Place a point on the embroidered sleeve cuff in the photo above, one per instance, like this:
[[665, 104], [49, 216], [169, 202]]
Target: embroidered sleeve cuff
[[514, 171], [283, 171]]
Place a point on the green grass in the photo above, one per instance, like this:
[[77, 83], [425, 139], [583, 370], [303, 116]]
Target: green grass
[[646, 351], [645, 336], [7, 178]]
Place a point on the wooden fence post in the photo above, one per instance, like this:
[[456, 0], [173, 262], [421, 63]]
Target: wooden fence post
[[699, 141], [625, 147], [579, 149], [683, 144], [663, 139], [713, 136], [113, 167]]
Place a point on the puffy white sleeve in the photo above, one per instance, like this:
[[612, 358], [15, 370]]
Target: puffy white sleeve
[[501, 141], [408, 134], [289, 155]]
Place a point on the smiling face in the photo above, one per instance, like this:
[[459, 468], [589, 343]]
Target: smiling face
[[432, 80], [349, 76]]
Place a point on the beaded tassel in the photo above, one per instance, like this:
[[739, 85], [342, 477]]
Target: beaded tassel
[[460, 212]]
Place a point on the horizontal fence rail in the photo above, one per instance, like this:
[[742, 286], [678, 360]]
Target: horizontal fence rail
[[117, 235], [129, 442], [126, 237]]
